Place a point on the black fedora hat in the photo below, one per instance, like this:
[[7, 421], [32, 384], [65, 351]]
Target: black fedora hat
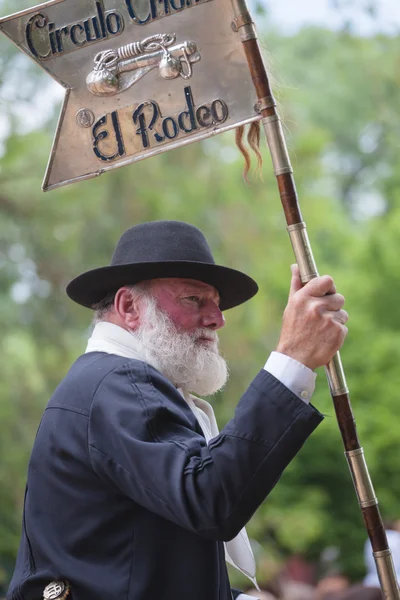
[[161, 249]]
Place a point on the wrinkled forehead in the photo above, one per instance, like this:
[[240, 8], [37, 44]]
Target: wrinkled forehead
[[177, 286]]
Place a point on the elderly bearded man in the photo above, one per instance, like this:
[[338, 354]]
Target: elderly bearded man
[[132, 493]]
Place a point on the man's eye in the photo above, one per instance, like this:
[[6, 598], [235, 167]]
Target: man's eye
[[193, 299]]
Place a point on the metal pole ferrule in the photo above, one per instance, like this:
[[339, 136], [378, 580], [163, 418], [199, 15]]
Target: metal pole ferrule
[[386, 574], [361, 479], [264, 103], [335, 375], [302, 251], [277, 146], [243, 23]]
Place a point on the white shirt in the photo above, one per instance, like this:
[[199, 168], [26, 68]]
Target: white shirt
[[298, 378]]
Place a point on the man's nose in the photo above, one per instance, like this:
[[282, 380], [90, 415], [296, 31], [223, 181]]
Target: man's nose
[[212, 317]]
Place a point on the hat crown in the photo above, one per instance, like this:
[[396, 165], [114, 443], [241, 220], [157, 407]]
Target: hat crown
[[162, 241], [161, 249]]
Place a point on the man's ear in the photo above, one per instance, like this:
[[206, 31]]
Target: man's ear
[[127, 308]]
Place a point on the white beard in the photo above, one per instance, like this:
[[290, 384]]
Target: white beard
[[189, 363]]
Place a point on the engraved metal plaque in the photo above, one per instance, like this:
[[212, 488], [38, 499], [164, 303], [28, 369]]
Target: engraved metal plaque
[[141, 77]]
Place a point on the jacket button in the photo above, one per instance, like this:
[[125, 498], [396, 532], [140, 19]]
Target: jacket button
[[56, 590]]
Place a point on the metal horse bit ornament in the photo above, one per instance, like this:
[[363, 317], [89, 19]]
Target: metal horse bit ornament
[[117, 70]]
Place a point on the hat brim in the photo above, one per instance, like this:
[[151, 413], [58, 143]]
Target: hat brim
[[234, 287]]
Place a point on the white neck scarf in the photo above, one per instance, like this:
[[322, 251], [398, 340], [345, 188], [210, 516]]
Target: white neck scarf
[[112, 339]]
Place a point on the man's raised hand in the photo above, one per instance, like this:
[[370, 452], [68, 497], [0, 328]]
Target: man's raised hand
[[313, 328]]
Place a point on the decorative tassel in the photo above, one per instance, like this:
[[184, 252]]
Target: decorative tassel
[[253, 139]]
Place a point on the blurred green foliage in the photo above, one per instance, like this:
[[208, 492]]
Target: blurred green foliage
[[339, 96]]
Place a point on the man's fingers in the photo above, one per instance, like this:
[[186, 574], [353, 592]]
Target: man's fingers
[[333, 301], [320, 286], [341, 316], [295, 284]]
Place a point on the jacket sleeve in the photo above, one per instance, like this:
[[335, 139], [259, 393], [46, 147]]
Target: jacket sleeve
[[142, 442]]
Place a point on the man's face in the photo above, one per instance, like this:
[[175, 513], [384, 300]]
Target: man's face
[[190, 304], [178, 319]]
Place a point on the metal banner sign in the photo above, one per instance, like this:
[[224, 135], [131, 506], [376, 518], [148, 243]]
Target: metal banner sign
[[141, 77]]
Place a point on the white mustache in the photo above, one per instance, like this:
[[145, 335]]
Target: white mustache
[[206, 334]]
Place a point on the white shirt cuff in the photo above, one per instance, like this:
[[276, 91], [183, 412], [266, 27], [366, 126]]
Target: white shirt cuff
[[245, 597], [298, 378]]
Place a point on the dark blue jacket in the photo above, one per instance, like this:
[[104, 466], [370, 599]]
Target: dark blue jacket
[[124, 498]]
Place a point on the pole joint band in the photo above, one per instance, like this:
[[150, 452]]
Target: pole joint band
[[244, 23], [277, 145], [263, 103], [241, 21], [387, 574], [302, 251], [361, 479], [335, 375]]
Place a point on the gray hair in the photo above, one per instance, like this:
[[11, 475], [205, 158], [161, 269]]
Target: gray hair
[[102, 309]]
